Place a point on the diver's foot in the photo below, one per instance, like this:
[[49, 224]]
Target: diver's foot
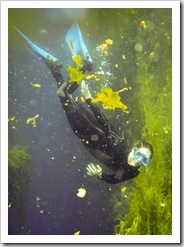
[[60, 91]]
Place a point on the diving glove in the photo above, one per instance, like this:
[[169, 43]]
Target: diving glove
[[85, 90], [93, 170]]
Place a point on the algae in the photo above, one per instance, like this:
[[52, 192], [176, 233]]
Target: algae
[[150, 200], [18, 186], [110, 99]]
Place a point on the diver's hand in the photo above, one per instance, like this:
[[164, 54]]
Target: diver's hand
[[85, 90], [93, 170]]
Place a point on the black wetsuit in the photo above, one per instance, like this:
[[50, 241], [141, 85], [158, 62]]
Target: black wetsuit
[[94, 131]]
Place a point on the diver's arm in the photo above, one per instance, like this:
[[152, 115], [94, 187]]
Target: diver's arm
[[118, 177], [96, 171], [111, 179]]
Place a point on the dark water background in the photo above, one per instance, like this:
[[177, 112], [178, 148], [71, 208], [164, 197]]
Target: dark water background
[[58, 164]]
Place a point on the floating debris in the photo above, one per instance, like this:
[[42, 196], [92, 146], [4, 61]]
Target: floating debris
[[105, 46], [143, 24], [82, 99], [32, 120], [11, 118], [35, 85], [123, 189], [138, 47], [125, 80], [43, 31], [88, 77], [106, 53], [109, 41], [110, 100], [81, 192]]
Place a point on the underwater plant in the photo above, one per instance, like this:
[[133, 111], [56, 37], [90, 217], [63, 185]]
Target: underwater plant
[[18, 157], [150, 199], [110, 99], [18, 185], [76, 74]]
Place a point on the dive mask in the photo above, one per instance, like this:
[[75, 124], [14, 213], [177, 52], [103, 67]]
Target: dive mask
[[139, 156]]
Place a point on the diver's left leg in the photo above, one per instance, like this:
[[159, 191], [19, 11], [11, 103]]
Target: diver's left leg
[[54, 67]]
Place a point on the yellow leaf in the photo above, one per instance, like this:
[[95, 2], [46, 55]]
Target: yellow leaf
[[123, 189], [77, 233], [110, 100], [11, 118], [106, 53], [143, 24], [35, 84], [109, 41], [82, 99], [103, 46]]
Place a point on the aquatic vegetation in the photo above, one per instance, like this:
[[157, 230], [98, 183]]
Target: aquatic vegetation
[[150, 200], [18, 185], [18, 157], [78, 61], [76, 74], [32, 120], [110, 99]]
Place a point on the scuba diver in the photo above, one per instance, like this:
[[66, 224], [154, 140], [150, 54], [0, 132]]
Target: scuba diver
[[88, 123]]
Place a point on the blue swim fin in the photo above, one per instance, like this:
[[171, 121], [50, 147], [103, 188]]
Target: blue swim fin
[[37, 51], [76, 43]]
